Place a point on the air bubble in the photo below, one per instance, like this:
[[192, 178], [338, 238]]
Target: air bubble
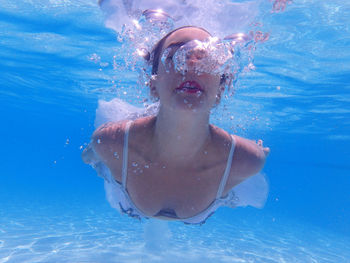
[[104, 64], [95, 58]]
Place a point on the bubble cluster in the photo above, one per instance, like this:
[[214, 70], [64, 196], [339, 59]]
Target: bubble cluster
[[137, 41], [202, 57], [144, 33], [228, 57]]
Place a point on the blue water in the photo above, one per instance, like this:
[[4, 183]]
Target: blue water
[[53, 61]]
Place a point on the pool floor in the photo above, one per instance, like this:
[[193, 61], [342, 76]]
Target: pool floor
[[69, 233]]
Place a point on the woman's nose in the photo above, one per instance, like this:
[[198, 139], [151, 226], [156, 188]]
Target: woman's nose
[[194, 58]]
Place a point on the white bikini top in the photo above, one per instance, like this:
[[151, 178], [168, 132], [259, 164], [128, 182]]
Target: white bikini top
[[118, 195]]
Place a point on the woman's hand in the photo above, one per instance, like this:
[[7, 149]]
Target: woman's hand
[[266, 150], [88, 155]]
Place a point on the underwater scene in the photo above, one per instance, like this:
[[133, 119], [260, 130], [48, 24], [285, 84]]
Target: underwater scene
[[69, 66]]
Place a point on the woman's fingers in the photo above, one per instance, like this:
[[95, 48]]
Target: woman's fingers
[[265, 149], [88, 155]]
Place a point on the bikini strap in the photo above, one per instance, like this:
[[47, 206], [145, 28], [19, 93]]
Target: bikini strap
[[227, 170], [125, 154]]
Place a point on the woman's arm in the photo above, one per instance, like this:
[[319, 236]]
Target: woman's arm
[[89, 156], [252, 156], [106, 148], [248, 159]]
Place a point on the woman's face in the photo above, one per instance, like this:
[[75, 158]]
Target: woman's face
[[187, 90]]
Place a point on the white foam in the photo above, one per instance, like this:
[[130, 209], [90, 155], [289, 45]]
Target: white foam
[[221, 18], [117, 110], [253, 191]]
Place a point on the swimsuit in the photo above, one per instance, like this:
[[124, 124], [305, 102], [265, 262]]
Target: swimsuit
[[253, 191]]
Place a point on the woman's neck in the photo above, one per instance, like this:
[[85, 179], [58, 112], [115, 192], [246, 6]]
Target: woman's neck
[[179, 137]]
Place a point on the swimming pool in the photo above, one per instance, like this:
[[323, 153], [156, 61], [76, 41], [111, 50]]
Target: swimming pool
[[57, 61]]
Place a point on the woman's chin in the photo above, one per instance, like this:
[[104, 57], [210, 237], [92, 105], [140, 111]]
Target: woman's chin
[[190, 104]]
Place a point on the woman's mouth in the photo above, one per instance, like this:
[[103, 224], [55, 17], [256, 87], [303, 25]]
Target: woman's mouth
[[190, 87]]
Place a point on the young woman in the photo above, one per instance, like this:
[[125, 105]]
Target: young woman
[[176, 165]]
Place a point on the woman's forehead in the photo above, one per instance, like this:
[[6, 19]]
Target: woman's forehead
[[184, 35]]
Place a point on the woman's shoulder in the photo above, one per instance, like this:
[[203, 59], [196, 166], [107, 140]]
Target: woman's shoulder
[[113, 133], [245, 149], [250, 150], [248, 158], [109, 130], [107, 139], [220, 137]]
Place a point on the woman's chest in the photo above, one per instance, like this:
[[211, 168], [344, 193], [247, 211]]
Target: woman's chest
[[155, 186]]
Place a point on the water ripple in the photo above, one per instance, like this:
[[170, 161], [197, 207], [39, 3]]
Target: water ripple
[[107, 237]]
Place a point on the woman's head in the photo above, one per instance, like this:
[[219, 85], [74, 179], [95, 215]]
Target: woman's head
[[188, 85], [176, 38]]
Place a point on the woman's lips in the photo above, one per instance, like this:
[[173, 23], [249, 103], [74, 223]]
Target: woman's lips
[[190, 87]]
